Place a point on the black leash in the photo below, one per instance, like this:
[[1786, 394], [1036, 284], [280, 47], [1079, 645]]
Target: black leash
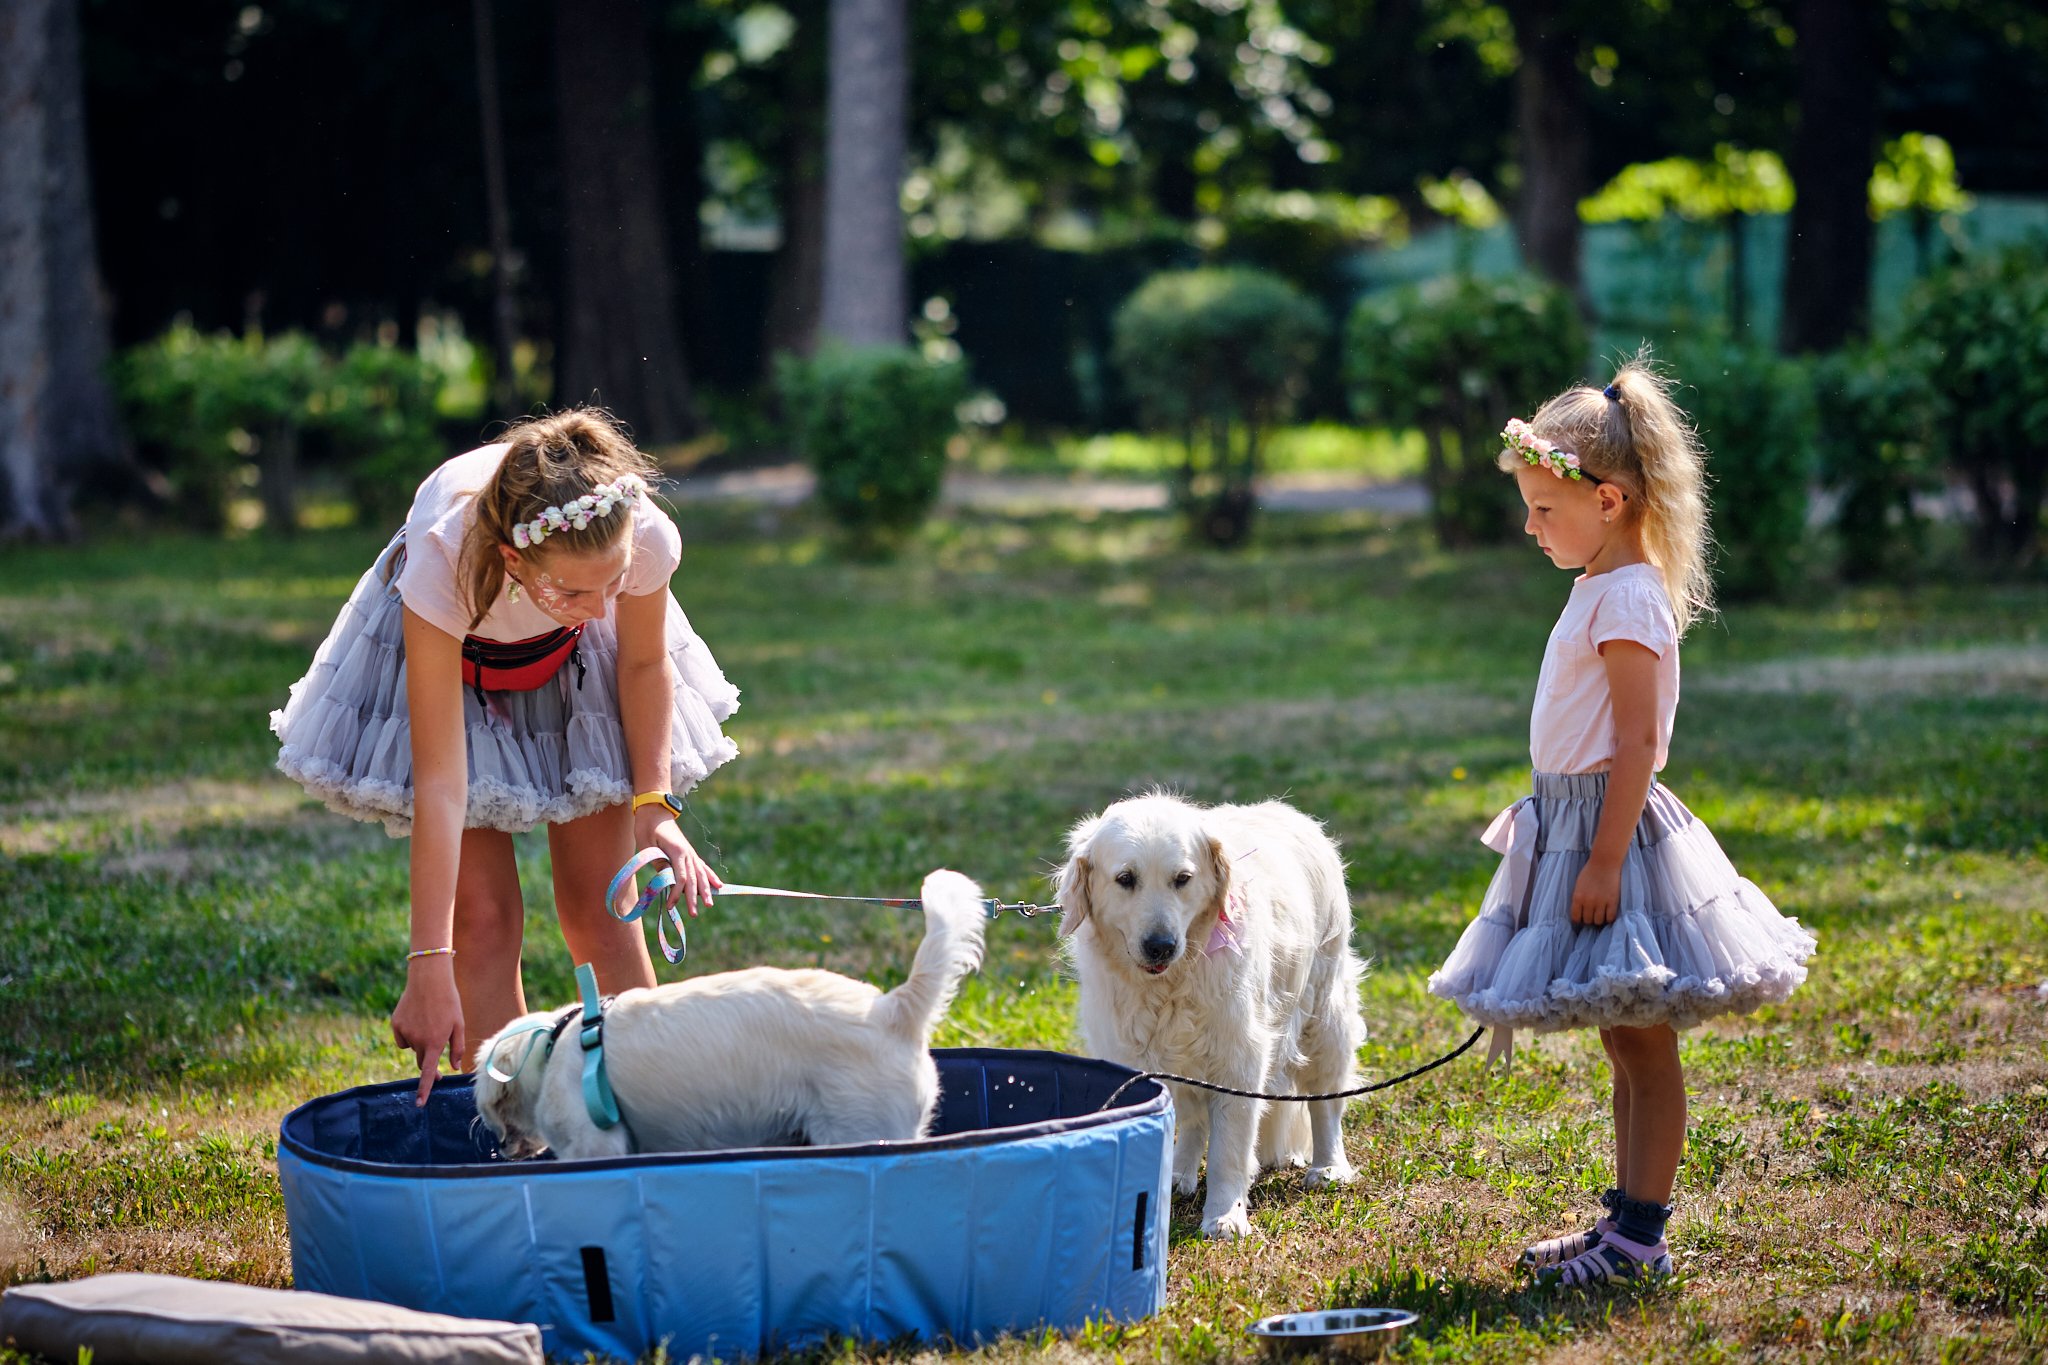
[[1452, 1055]]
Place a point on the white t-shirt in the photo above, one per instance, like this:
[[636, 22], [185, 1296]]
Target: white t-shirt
[[442, 512], [1571, 729]]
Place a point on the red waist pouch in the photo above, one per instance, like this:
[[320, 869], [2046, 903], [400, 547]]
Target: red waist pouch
[[519, 665]]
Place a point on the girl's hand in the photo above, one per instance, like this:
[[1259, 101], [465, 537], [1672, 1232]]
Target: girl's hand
[[428, 1019], [1596, 897], [695, 881]]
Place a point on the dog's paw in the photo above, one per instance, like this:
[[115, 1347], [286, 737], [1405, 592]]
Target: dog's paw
[[1186, 1182], [1320, 1176], [1230, 1225]]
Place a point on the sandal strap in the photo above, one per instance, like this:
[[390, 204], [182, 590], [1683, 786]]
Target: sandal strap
[[1615, 1258], [1557, 1250]]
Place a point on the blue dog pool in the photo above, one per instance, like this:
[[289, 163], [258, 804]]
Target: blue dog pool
[[1026, 1208]]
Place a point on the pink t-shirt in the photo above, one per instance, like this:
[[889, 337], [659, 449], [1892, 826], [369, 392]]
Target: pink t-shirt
[[442, 512], [1571, 729]]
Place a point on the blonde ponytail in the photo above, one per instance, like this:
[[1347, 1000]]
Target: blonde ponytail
[[550, 461], [1631, 434]]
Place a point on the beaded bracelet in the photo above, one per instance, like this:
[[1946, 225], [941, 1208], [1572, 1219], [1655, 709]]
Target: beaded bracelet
[[428, 952]]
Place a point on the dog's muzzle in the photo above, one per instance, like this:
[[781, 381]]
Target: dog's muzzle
[[1156, 952]]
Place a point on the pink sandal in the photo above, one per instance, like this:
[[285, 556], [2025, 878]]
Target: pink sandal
[[1615, 1260]]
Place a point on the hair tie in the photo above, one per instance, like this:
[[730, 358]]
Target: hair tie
[[1611, 393]]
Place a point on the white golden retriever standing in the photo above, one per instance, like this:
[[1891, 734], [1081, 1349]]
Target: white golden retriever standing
[[1216, 943], [764, 1057]]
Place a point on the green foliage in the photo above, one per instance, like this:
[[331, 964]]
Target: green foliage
[[1735, 181], [1219, 356], [218, 413], [1456, 357], [206, 404], [1876, 441], [1918, 172], [1307, 237], [1982, 326], [378, 410], [1754, 412], [873, 423], [1461, 199]]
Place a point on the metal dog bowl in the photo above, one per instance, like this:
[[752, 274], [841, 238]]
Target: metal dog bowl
[[1352, 1333]]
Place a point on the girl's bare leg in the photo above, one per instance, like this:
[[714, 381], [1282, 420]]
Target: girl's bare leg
[[490, 921], [586, 854]]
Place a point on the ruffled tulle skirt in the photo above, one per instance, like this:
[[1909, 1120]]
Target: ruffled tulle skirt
[[1693, 939], [553, 754]]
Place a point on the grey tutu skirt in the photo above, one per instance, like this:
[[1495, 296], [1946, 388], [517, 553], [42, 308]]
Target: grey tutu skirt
[[1693, 939], [553, 754]]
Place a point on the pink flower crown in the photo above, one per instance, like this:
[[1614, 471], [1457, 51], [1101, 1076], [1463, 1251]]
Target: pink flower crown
[[1517, 437], [598, 502]]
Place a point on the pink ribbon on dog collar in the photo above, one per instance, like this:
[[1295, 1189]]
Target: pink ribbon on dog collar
[[1224, 937]]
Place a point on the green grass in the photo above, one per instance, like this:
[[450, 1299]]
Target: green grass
[[1322, 448], [193, 947]]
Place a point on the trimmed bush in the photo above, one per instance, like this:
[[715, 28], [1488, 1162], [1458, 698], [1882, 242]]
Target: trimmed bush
[[1877, 441], [873, 423], [379, 413], [218, 413], [1754, 412], [1457, 357], [1983, 327], [1217, 357]]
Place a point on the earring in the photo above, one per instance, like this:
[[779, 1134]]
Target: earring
[[512, 593]]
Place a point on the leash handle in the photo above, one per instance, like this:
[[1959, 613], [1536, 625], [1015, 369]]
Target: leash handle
[[661, 889], [1454, 1053]]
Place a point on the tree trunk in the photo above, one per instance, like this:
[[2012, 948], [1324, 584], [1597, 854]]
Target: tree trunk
[[57, 421], [1827, 253], [795, 287], [796, 291], [504, 299], [866, 121], [619, 342], [1550, 120], [279, 479]]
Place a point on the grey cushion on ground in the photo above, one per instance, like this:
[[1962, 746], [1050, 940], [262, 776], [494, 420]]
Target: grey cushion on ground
[[166, 1320]]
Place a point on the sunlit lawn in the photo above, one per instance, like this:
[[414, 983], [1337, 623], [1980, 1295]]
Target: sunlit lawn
[[193, 947], [1313, 449]]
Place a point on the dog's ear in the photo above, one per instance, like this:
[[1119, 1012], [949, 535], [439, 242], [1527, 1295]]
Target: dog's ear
[[1219, 875], [1072, 884]]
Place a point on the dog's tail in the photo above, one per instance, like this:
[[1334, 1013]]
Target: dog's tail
[[954, 922]]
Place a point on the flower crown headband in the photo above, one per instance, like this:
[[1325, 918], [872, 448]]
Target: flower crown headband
[[1519, 438], [597, 503]]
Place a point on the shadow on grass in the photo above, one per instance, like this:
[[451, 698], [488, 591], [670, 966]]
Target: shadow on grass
[[1474, 1306]]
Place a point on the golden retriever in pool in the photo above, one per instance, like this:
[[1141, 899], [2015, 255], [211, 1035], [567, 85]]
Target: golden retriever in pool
[[763, 1057], [1215, 942]]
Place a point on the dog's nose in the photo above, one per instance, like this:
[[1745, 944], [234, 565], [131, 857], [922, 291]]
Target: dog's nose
[[1159, 948]]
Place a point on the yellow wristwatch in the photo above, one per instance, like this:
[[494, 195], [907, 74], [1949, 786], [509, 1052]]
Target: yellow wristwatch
[[674, 805]]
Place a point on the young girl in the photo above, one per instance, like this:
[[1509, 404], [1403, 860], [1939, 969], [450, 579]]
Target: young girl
[[1614, 907], [514, 658]]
